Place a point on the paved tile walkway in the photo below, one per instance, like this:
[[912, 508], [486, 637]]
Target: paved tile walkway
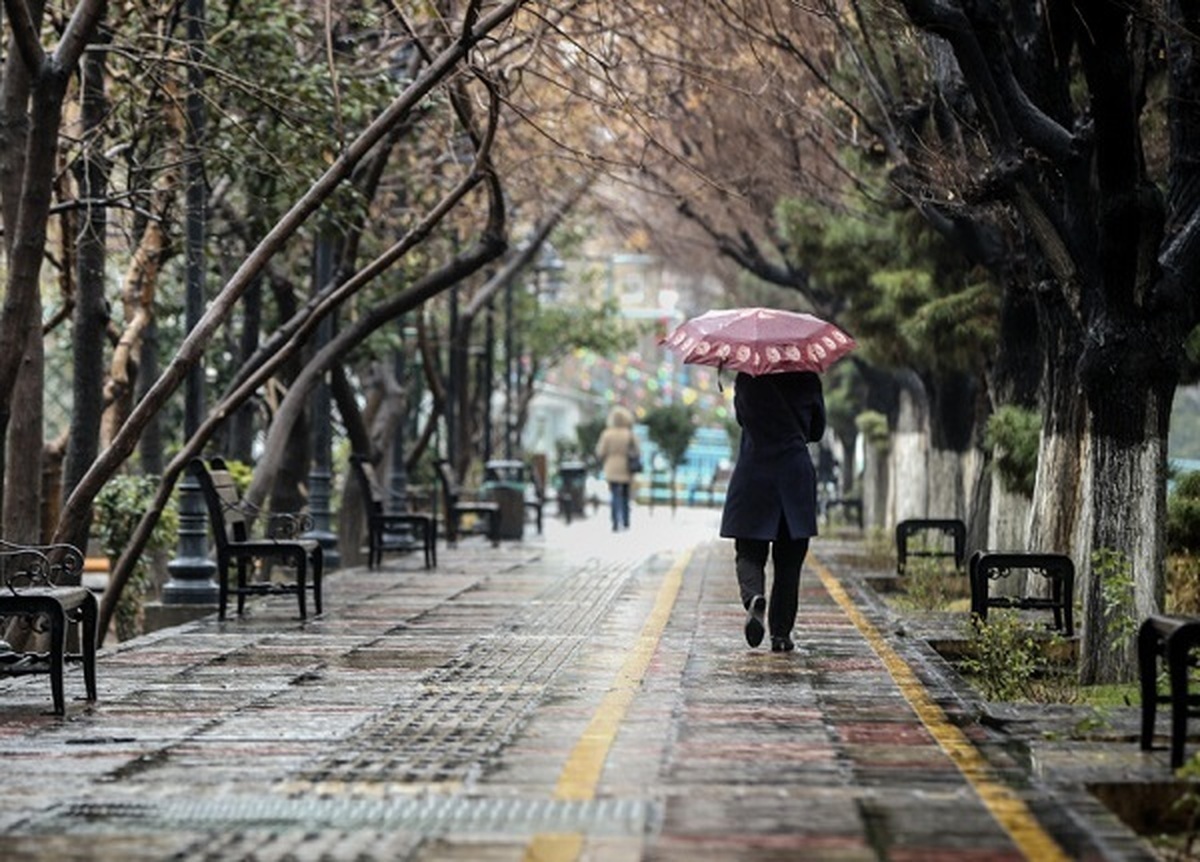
[[582, 695]]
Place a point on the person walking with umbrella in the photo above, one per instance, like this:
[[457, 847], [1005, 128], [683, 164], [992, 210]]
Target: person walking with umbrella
[[771, 503]]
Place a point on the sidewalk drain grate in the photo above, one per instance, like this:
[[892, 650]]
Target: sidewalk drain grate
[[614, 817]]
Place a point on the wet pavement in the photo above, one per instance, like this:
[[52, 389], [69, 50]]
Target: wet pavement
[[577, 695]]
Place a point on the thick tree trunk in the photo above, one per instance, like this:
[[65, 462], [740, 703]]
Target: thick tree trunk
[[1053, 515], [908, 461], [1123, 517], [1008, 517], [944, 476], [875, 487]]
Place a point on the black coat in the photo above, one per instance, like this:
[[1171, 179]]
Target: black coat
[[774, 485]]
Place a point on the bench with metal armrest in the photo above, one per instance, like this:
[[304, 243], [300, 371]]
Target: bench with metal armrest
[[231, 517], [391, 530], [39, 587], [457, 505]]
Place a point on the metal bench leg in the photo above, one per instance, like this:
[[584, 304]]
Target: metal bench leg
[[222, 586], [979, 590], [243, 581], [1148, 645], [58, 650], [318, 575], [1177, 671], [89, 617], [301, 583]]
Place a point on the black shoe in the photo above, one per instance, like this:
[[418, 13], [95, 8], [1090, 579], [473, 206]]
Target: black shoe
[[782, 644], [756, 621]]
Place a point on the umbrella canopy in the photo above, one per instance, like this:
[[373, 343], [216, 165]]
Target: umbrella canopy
[[760, 341]]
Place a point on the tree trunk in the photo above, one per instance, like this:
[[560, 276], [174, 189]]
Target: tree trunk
[[44, 78], [240, 432], [151, 445], [1123, 513], [91, 310], [875, 487], [908, 462], [1008, 517], [944, 477], [23, 475], [351, 515], [1056, 493]]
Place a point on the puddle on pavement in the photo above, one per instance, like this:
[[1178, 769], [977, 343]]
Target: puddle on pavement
[[394, 659]]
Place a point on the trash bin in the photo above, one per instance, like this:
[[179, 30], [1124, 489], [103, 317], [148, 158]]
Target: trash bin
[[504, 471], [504, 482], [573, 478]]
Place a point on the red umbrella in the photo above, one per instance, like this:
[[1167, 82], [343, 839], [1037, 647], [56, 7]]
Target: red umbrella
[[760, 341]]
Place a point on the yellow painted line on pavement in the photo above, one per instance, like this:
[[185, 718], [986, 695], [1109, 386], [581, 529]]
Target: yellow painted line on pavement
[[1009, 810], [581, 774]]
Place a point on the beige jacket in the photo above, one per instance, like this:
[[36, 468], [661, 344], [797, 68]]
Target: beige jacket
[[613, 450]]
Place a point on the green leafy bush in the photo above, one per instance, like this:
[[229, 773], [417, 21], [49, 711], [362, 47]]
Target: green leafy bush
[[874, 428], [1183, 514], [118, 508], [1005, 656], [1115, 573], [1012, 433], [930, 585]]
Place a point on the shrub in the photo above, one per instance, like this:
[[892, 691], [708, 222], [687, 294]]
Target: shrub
[[118, 508], [1115, 574], [1183, 514], [929, 585], [1012, 433], [874, 428], [1004, 657]]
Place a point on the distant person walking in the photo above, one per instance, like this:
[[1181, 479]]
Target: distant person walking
[[771, 504], [615, 449]]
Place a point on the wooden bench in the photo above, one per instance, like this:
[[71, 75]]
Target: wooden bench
[[230, 517], [907, 529], [456, 505], [1171, 641], [391, 531], [41, 590], [987, 566]]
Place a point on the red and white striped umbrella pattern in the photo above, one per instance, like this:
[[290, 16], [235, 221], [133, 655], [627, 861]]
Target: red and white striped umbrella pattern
[[760, 341]]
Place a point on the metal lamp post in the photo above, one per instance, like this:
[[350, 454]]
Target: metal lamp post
[[510, 367], [192, 574], [398, 478], [320, 476]]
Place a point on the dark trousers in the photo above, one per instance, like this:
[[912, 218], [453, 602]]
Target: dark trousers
[[751, 561], [619, 492]]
